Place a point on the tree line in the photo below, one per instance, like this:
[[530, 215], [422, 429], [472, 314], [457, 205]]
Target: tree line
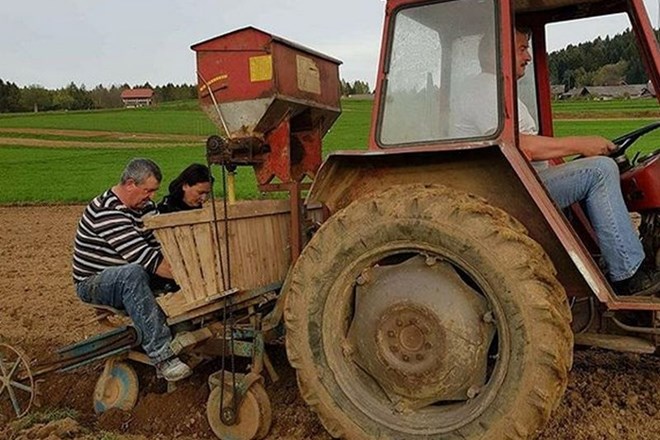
[[35, 98], [356, 88], [74, 97], [601, 62]]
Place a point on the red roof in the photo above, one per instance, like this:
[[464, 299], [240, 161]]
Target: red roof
[[137, 94]]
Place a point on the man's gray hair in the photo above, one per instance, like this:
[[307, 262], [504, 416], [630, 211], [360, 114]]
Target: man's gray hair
[[139, 170]]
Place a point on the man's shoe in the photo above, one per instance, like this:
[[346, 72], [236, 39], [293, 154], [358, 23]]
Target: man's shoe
[[173, 370], [643, 282]]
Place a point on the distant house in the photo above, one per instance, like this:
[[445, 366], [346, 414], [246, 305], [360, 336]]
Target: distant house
[[557, 91], [576, 93], [620, 91], [137, 97], [631, 91]]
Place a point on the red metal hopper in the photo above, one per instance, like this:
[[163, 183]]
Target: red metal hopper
[[272, 99]]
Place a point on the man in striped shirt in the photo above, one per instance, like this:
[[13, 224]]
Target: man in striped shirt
[[114, 259]]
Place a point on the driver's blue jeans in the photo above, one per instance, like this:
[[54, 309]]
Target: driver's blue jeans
[[596, 182], [127, 288]]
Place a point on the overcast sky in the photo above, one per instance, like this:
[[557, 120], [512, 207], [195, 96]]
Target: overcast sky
[[91, 42]]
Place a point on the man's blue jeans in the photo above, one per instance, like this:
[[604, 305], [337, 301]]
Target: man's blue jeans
[[595, 181], [127, 288]]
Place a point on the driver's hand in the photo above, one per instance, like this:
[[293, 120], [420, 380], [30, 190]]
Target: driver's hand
[[597, 146]]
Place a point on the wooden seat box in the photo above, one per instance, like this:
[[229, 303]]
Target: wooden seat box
[[259, 238]]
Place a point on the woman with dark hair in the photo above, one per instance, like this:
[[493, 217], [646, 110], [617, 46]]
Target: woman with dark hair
[[188, 191]]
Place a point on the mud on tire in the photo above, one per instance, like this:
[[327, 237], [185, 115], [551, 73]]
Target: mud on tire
[[533, 350]]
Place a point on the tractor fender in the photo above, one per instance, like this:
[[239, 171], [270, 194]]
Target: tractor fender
[[486, 172]]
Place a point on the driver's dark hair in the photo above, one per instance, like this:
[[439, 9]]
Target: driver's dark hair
[[527, 31]]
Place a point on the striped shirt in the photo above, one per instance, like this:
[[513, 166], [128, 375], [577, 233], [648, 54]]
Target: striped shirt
[[111, 234]]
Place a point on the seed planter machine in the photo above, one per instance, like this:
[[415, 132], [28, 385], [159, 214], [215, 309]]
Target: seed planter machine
[[273, 101]]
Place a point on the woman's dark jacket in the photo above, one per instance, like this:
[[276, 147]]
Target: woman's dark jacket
[[173, 204]]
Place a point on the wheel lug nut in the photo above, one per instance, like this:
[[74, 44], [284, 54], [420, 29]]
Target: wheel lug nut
[[488, 318], [364, 277], [391, 333], [428, 346], [472, 392], [405, 358], [394, 349], [399, 322], [347, 349], [420, 357]]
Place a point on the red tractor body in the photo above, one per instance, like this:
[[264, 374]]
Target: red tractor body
[[443, 293]]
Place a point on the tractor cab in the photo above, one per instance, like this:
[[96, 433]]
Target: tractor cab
[[443, 235], [447, 104], [438, 59]]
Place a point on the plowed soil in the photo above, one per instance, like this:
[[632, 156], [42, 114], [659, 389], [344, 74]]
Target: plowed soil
[[610, 395]]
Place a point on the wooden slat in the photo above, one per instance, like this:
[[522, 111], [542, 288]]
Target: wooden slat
[[222, 252], [170, 247], [190, 257], [173, 304], [244, 258], [242, 209], [205, 244], [283, 245]]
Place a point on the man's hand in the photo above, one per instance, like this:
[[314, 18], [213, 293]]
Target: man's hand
[[596, 146], [164, 270]]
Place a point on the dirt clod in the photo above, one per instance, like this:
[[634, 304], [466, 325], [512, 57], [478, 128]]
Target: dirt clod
[[59, 429]]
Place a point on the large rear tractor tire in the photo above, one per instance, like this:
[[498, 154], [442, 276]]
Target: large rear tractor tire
[[425, 313]]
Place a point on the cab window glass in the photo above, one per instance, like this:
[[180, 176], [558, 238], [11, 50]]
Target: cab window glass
[[601, 67], [442, 79], [527, 90]]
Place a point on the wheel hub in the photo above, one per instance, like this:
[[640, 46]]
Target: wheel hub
[[420, 332], [409, 338], [112, 390]]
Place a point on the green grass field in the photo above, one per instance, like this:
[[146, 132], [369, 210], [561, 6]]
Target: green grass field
[[40, 168], [614, 105], [177, 118]]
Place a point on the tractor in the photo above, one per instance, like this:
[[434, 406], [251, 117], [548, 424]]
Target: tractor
[[425, 288], [443, 296]]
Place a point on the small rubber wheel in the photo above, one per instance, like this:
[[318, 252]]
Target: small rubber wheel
[[118, 389], [254, 414]]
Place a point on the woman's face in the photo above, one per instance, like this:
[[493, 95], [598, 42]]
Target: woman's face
[[195, 195]]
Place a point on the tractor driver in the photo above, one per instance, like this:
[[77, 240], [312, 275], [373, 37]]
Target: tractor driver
[[114, 259], [593, 180]]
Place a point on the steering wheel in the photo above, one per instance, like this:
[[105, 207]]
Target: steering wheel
[[625, 141]]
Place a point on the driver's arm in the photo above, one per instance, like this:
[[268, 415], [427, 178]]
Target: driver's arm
[[538, 147]]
